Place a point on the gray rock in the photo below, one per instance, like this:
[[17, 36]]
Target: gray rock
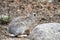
[[21, 25], [46, 31]]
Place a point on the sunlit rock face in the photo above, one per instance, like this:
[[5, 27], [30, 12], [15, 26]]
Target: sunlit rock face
[[46, 31]]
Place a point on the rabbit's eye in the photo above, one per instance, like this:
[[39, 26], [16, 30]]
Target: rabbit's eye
[[34, 14]]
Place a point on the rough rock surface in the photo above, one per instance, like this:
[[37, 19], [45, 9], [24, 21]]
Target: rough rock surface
[[46, 31]]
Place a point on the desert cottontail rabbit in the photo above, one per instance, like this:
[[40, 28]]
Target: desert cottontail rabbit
[[21, 25], [46, 31]]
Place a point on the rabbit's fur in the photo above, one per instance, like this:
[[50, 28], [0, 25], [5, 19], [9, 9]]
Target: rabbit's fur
[[21, 25], [46, 31]]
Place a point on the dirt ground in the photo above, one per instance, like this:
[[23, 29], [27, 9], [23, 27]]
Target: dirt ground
[[45, 12]]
